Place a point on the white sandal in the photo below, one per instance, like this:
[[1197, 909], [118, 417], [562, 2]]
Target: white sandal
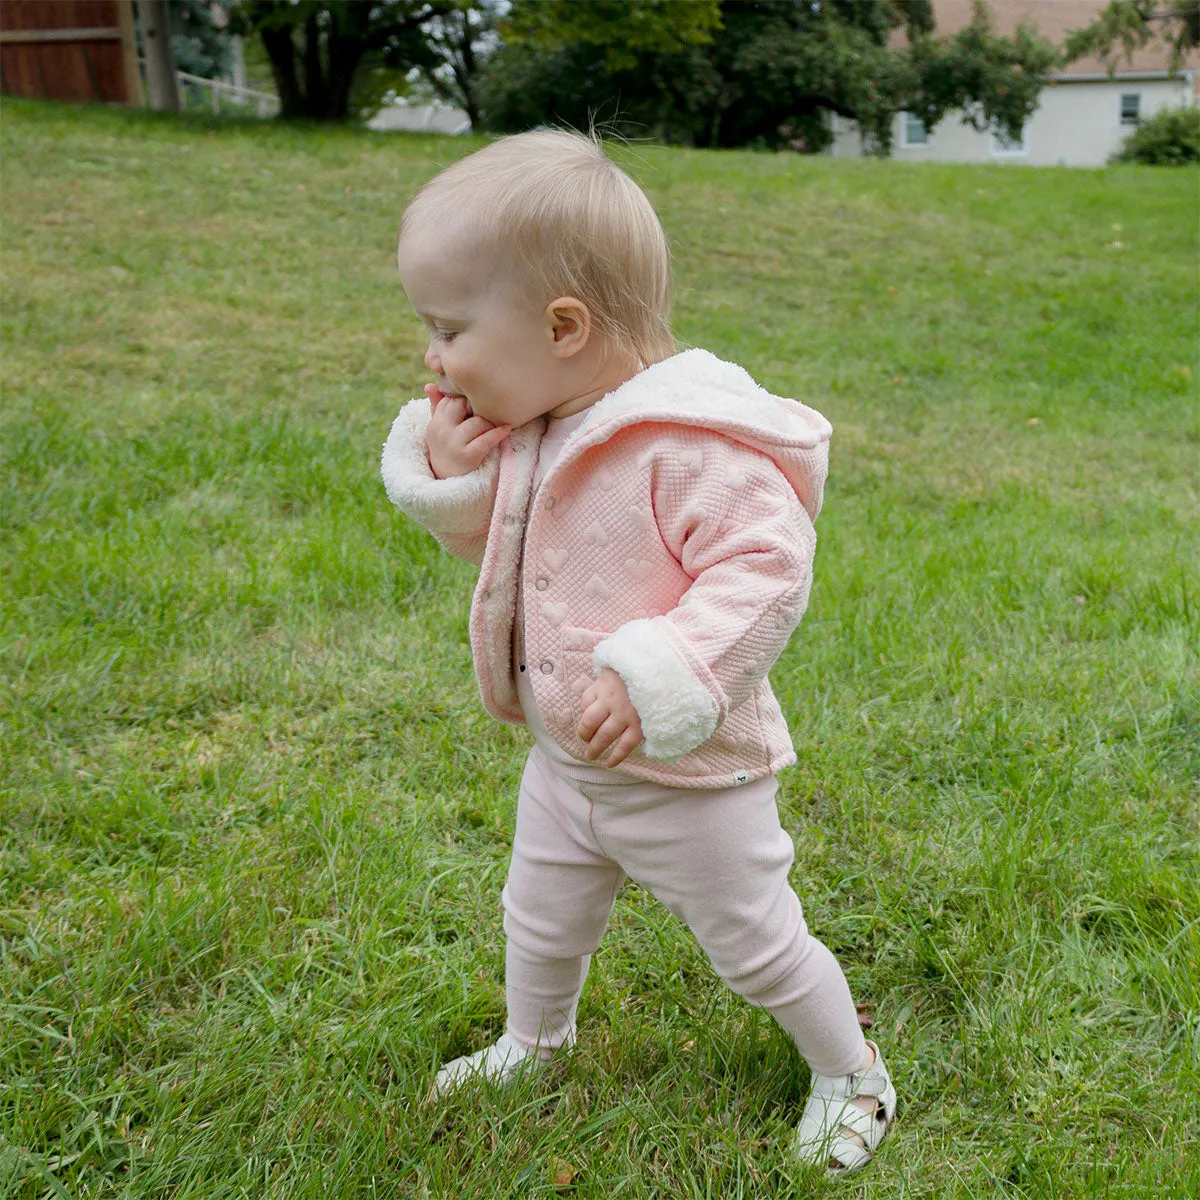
[[495, 1064], [830, 1116]]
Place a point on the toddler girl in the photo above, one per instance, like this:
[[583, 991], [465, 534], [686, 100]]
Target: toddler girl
[[643, 523]]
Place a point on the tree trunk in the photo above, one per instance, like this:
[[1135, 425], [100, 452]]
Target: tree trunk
[[462, 93], [473, 113], [315, 100], [345, 53], [281, 50], [470, 68]]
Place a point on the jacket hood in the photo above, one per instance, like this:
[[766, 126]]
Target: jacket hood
[[697, 388]]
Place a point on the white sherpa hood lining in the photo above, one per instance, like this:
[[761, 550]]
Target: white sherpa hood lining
[[697, 388]]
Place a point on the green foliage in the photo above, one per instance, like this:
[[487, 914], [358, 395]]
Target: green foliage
[[259, 75], [624, 29], [767, 75], [201, 46], [1125, 26], [785, 64], [375, 84], [1170, 138], [524, 86]]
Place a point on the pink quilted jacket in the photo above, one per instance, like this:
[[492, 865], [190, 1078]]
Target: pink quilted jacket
[[672, 541]]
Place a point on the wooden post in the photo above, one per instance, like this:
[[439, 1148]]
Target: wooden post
[[161, 80], [133, 76]]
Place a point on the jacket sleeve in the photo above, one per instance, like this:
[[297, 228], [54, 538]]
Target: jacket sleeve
[[456, 511], [736, 526]]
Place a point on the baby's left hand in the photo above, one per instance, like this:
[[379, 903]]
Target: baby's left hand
[[609, 720]]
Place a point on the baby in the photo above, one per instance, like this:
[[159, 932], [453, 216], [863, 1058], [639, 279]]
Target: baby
[[643, 524]]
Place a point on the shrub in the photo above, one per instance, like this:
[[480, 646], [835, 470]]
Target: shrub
[[1169, 138]]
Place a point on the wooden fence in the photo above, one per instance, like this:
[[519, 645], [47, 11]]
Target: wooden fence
[[82, 50], [263, 103]]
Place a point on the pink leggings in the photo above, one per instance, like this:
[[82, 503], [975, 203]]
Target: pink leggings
[[718, 859]]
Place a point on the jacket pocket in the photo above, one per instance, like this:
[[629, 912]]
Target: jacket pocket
[[577, 647]]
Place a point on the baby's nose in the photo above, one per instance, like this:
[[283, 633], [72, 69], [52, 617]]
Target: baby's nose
[[432, 361]]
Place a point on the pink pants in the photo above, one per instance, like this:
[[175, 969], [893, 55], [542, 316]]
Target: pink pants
[[718, 859]]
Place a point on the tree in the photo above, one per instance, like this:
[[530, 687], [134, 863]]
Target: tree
[[316, 48], [622, 29], [1131, 24], [993, 82], [202, 46], [456, 47], [766, 72]]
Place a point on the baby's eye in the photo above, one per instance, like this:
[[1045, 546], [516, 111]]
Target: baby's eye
[[445, 335]]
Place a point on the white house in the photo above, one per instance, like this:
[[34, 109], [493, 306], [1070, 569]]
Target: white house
[[420, 118], [1082, 118]]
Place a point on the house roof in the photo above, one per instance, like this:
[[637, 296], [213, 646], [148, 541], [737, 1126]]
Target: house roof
[[1054, 19]]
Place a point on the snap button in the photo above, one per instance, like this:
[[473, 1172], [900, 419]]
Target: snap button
[[542, 583], [550, 501], [547, 667]]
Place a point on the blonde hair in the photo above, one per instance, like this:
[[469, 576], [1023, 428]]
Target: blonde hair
[[571, 223]]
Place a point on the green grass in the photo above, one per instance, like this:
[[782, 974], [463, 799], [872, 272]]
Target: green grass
[[254, 823]]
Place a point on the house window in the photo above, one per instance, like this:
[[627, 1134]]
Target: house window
[[1003, 144], [915, 133], [1131, 108]]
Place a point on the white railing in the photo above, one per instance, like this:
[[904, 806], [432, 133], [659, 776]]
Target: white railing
[[265, 105]]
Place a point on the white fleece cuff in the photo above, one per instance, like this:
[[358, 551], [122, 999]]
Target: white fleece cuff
[[676, 710], [459, 505]]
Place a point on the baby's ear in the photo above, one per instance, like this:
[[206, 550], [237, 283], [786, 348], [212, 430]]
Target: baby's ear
[[569, 325]]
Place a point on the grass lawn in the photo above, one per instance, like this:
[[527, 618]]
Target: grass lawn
[[254, 822]]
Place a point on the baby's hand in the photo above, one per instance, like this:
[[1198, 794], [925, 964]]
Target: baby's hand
[[609, 720], [456, 440]]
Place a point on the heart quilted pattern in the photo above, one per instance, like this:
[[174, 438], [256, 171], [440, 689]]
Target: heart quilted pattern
[[556, 614], [596, 588], [643, 519]]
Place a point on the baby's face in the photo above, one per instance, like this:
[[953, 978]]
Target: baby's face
[[487, 342]]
